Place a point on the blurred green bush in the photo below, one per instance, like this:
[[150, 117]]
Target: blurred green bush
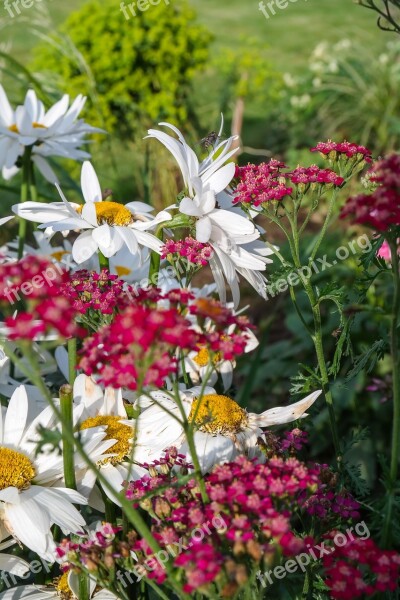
[[135, 71]]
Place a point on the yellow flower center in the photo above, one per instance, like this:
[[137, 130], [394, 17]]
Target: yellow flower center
[[59, 255], [115, 431], [218, 414], [15, 129], [62, 587], [121, 271], [16, 470], [111, 213], [202, 358]]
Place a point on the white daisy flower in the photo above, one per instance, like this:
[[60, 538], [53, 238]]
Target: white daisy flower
[[31, 497], [203, 182], [104, 410], [223, 429], [107, 226], [57, 132], [65, 587]]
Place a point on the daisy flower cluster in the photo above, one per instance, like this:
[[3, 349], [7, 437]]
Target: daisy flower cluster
[[56, 132]]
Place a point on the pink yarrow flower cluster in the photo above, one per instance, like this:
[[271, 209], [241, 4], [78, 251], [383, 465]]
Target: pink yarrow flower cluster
[[89, 290], [140, 345], [33, 285], [335, 150], [262, 183], [360, 569], [248, 517], [314, 175], [195, 252], [381, 208]]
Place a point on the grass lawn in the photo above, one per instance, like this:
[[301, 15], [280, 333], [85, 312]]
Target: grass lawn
[[287, 38]]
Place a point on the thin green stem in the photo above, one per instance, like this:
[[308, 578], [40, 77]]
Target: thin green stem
[[155, 259], [104, 261], [394, 347], [324, 227], [66, 409], [72, 360], [83, 587], [319, 349], [25, 190]]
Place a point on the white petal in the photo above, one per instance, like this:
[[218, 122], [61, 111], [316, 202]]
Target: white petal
[[221, 178], [84, 247], [285, 414], [44, 168], [188, 207], [203, 229], [7, 113], [90, 184], [16, 416]]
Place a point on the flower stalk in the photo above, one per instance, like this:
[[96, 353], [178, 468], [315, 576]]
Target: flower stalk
[[26, 189], [66, 407], [395, 354]]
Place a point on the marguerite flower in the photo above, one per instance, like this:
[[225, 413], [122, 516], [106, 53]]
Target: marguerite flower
[[99, 409], [32, 498], [65, 587], [223, 428], [203, 182], [228, 232], [57, 132], [107, 226]]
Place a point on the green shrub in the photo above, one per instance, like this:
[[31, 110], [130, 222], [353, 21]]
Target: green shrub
[[135, 71]]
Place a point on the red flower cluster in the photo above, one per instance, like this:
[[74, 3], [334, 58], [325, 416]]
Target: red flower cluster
[[314, 175], [381, 209], [261, 183], [34, 284], [248, 518], [140, 345], [89, 290], [344, 149], [195, 252], [360, 569]]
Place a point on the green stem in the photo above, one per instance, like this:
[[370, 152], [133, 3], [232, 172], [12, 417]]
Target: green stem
[[104, 261], [324, 227], [155, 259], [72, 360], [25, 189], [66, 405], [83, 587], [110, 515], [394, 346], [319, 349]]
